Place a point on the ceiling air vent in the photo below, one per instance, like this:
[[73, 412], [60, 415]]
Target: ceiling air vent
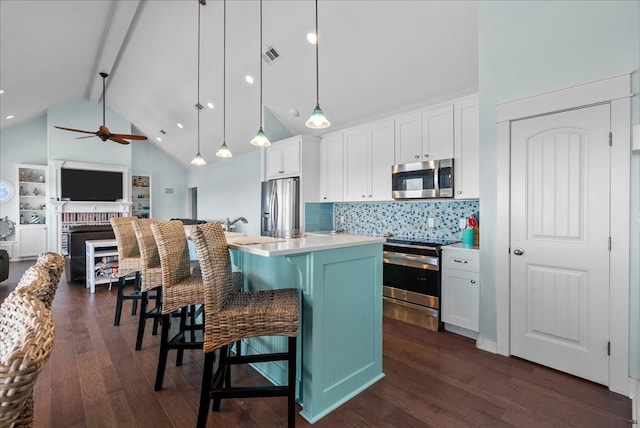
[[271, 55]]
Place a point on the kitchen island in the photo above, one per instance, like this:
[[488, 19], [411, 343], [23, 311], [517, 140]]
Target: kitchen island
[[340, 342]]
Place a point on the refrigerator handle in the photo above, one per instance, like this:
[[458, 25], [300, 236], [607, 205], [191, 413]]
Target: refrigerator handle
[[275, 224]]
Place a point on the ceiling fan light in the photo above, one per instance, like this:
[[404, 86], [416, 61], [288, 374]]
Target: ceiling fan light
[[317, 120], [223, 151], [198, 160], [260, 139]]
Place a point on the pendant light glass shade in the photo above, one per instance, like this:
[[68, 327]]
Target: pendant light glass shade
[[198, 160], [317, 120], [260, 139], [223, 151]]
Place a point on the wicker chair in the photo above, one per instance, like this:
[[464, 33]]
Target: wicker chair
[[37, 280], [230, 316], [54, 264], [129, 262], [151, 276], [26, 341], [181, 288]]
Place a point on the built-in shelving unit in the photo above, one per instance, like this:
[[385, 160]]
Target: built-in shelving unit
[[32, 194], [141, 195]]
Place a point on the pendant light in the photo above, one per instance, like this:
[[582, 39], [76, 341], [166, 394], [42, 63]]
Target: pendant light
[[198, 159], [223, 151], [317, 120], [260, 139]]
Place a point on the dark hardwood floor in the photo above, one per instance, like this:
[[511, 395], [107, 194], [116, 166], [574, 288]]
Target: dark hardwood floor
[[95, 378]]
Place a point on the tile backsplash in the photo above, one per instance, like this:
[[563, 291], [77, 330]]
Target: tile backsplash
[[407, 219]]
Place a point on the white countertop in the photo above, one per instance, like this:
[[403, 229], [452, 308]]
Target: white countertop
[[310, 242], [459, 246]]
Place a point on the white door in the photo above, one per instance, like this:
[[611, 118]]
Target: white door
[[559, 241]]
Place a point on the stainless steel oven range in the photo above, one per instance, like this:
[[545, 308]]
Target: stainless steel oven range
[[411, 281]]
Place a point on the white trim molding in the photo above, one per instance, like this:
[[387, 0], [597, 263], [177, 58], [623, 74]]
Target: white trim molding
[[615, 91]]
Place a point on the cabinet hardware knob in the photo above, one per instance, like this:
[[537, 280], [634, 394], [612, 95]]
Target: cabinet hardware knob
[[459, 192], [473, 281], [518, 251], [417, 157], [426, 155], [363, 196], [281, 172], [460, 261], [324, 197], [371, 196]]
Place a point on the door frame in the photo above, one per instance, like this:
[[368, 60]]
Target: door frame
[[616, 91]]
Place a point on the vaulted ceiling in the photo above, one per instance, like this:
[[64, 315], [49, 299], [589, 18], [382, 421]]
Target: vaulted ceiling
[[375, 57]]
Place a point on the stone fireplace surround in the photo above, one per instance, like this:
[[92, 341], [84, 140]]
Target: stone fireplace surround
[[73, 213]]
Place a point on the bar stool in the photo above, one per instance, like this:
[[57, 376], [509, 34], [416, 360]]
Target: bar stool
[[129, 262], [181, 288], [231, 316], [151, 277]]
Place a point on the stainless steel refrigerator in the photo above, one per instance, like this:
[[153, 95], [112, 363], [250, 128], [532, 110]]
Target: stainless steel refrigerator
[[281, 208]]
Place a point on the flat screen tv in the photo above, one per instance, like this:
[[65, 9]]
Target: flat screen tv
[[90, 185]]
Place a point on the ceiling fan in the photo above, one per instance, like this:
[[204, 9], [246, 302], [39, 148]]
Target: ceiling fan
[[103, 132]]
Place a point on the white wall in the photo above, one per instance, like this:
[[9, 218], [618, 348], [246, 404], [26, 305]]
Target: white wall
[[530, 47]]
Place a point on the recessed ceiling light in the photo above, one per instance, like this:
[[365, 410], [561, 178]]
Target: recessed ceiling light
[[293, 112], [1, 91], [179, 125], [250, 80], [10, 117], [159, 139], [210, 105], [312, 38]]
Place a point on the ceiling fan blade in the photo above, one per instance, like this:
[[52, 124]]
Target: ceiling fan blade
[[75, 130], [118, 140], [86, 136], [130, 137]]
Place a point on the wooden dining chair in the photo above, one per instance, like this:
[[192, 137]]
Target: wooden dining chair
[[129, 262], [232, 315], [151, 277], [26, 341], [182, 288]]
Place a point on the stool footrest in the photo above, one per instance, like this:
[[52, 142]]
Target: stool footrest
[[250, 391], [260, 358]]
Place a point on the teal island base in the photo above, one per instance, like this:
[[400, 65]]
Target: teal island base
[[340, 341]]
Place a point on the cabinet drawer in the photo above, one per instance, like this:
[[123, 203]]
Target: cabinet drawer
[[461, 259]]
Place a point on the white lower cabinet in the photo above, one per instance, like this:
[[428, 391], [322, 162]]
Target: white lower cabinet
[[460, 289], [32, 240]]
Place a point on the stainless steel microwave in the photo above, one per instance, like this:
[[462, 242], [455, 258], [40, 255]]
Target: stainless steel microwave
[[422, 180]]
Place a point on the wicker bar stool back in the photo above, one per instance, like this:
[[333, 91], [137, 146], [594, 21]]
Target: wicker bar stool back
[[129, 262], [232, 315], [181, 288], [151, 276], [36, 280], [26, 340], [54, 264]]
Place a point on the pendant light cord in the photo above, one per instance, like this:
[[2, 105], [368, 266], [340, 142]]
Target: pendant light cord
[[260, 64], [198, 105], [224, 74], [317, 72]]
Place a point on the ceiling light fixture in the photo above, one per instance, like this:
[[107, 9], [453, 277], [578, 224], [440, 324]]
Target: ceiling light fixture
[[260, 139], [249, 79], [312, 38], [210, 105], [317, 120], [223, 151], [1, 91], [159, 139], [179, 125], [198, 160], [10, 117]]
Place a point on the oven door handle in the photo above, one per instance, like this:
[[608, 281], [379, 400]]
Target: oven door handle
[[403, 259]]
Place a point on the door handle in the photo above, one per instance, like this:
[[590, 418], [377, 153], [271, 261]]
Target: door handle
[[518, 251]]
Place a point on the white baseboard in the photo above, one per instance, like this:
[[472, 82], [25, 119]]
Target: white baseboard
[[487, 345], [634, 393]]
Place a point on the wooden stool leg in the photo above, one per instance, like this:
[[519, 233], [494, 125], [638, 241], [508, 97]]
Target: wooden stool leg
[[291, 411], [222, 377], [136, 289], [164, 351], [116, 320], [142, 320], [207, 375], [183, 323]]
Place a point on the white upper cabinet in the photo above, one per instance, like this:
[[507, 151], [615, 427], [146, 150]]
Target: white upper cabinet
[[283, 158], [332, 168], [466, 149], [424, 135], [368, 156]]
